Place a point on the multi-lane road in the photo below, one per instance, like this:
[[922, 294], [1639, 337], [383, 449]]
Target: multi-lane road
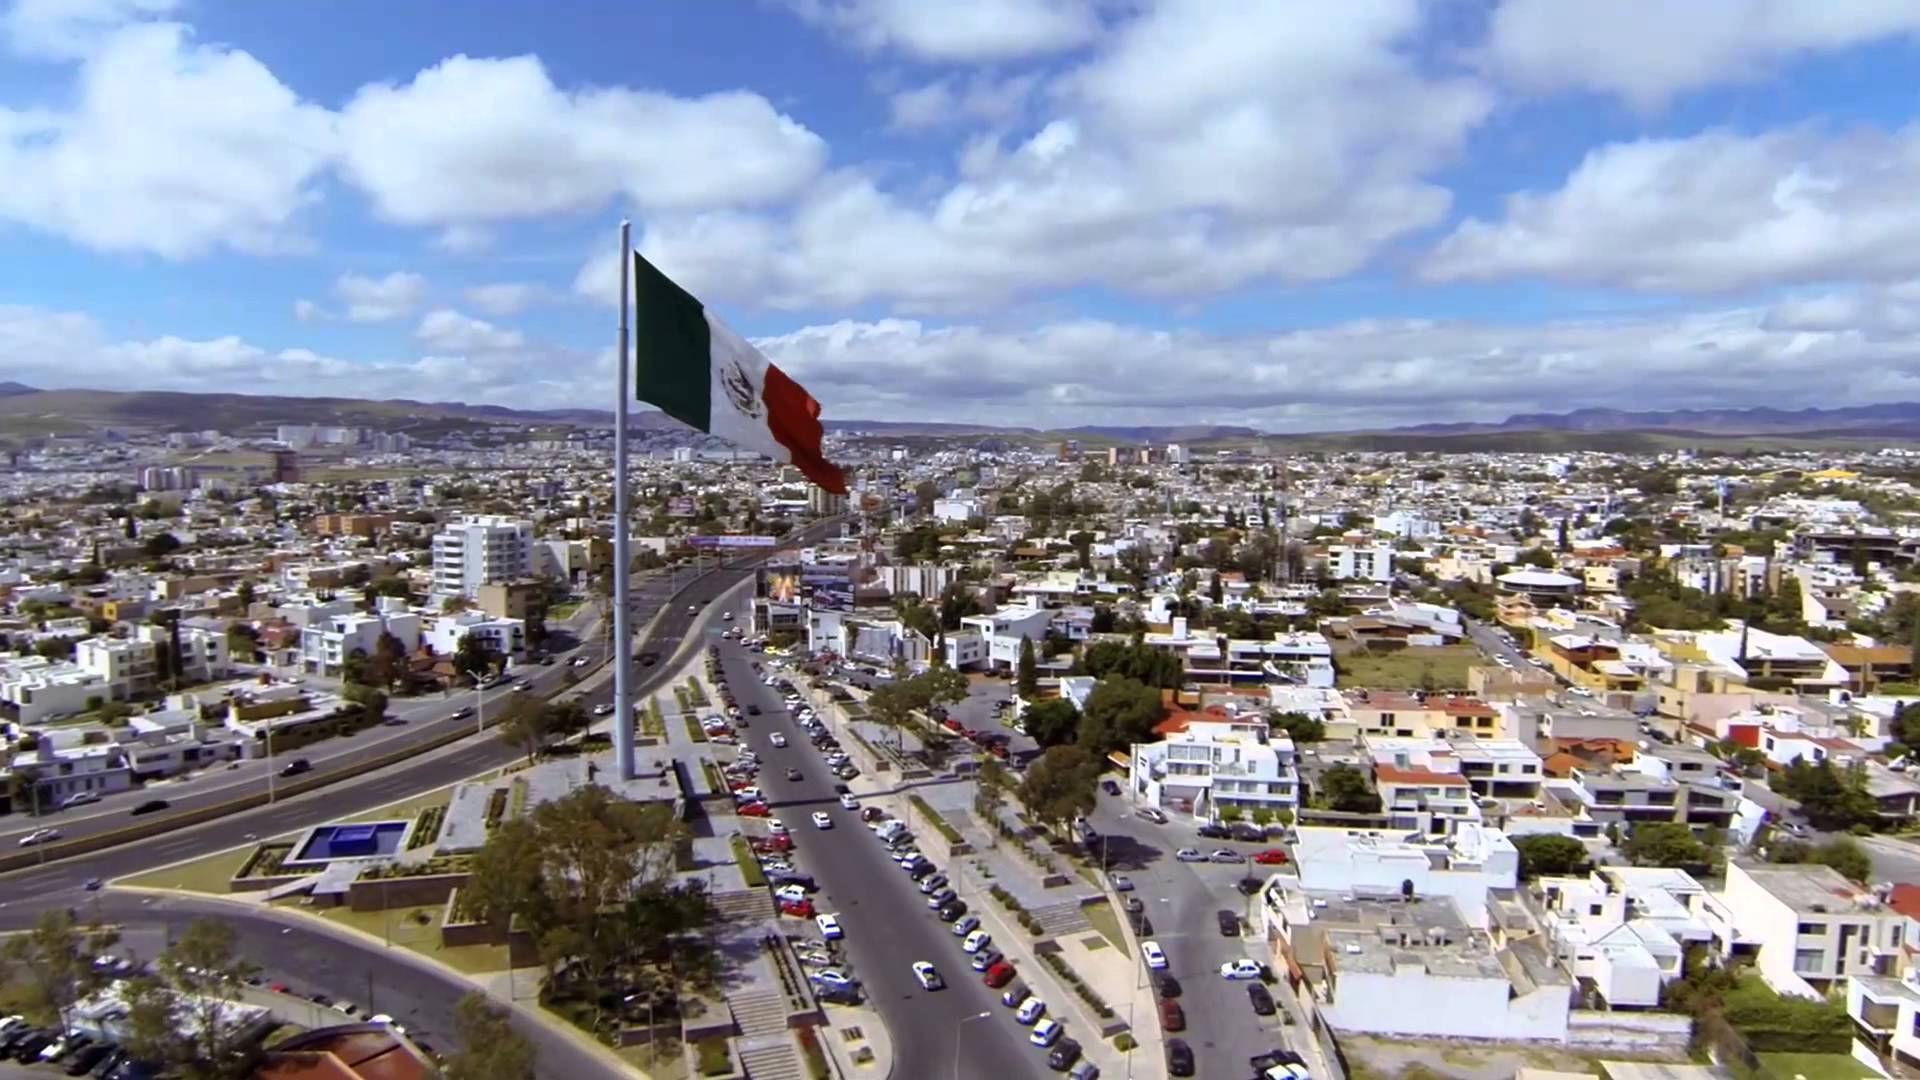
[[887, 922]]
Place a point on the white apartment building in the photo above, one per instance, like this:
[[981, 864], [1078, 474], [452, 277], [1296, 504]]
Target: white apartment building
[[126, 667], [36, 689], [482, 549], [1372, 863], [1356, 562], [994, 640], [1299, 659], [1215, 764], [1813, 926], [324, 649], [925, 580], [203, 652]]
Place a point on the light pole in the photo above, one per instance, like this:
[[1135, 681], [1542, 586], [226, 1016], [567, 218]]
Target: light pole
[[964, 1021], [269, 761]]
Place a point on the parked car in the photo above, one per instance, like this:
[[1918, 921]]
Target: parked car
[[1172, 1016], [1239, 969], [1229, 923], [966, 926], [1271, 857], [1212, 831], [1110, 787], [1015, 994], [1179, 1058], [1261, 1000], [1156, 956], [1029, 1011], [953, 910], [1064, 1054], [1227, 855], [1166, 986], [1151, 813], [1046, 1032], [1187, 854], [999, 975], [986, 958]]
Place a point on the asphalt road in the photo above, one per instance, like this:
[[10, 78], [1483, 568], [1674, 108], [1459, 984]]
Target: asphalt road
[[888, 925], [1182, 901], [1490, 642]]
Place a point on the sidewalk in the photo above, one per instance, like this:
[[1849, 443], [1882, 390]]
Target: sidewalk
[[858, 1041]]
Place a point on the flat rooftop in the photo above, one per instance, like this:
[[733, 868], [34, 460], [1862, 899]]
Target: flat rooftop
[[1812, 889]]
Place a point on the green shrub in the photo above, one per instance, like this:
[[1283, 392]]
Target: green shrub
[[1124, 1042], [715, 1060], [749, 865]]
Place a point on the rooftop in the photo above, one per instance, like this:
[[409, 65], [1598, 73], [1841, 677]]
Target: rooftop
[[1812, 889]]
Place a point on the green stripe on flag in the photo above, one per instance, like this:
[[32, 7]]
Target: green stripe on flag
[[673, 354]]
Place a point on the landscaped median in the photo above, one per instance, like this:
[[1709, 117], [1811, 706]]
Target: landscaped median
[[694, 731], [749, 864], [933, 818]]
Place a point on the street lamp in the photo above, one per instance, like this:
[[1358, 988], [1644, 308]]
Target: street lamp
[[964, 1021]]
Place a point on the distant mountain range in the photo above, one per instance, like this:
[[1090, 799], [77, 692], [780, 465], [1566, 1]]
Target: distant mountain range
[[27, 411]]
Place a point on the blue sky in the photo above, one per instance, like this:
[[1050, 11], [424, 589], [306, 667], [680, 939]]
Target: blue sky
[[1025, 211]]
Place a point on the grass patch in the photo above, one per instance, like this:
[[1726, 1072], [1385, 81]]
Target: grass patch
[[1780, 1066], [680, 697], [416, 929], [1107, 921], [749, 865], [209, 874], [696, 693], [1442, 667], [652, 723], [934, 819], [715, 1059], [664, 1061], [694, 731]]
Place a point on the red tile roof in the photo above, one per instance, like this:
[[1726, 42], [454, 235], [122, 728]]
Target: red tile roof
[[1391, 774], [1905, 899]]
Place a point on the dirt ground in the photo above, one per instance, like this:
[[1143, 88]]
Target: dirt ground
[[1394, 1059]]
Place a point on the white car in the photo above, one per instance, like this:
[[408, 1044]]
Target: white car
[[975, 941], [605, 708], [748, 794], [777, 866], [928, 978], [967, 925], [833, 977], [821, 820], [793, 894], [39, 836], [1156, 957], [1045, 1033], [829, 927], [848, 802], [1240, 969], [79, 798], [776, 826], [777, 739], [1030, 1010], [726, 616]]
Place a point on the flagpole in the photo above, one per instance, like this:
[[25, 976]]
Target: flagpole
[[623, 648]]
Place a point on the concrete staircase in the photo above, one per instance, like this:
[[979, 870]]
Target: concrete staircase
[[1061, 919], [744, 905], [766, 1050]]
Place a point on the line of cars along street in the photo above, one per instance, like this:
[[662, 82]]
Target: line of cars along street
[[792, 888]]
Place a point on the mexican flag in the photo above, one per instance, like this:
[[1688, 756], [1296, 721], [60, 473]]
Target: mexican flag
[[701, 373]]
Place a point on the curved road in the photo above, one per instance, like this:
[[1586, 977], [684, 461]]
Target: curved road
[[303, 953], [888, 925]]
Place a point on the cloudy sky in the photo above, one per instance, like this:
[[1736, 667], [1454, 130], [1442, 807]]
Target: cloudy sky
[[1297, 216]]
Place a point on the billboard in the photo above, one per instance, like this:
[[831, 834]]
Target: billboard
[[680, 506], [783, 588], [732, 541]]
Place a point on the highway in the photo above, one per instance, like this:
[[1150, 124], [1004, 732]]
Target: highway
[[888, 925], [334, 965]]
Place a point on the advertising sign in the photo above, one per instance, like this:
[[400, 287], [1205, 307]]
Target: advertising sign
[[681, 506], [783, 588]]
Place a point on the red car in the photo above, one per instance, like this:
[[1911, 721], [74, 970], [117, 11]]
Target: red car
[[953, 725], [999, 975], [754, 809], [798, 908], [765, 844], [1271, 857], [998, 750], [1172, 1016]]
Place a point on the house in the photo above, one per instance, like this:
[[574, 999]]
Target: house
[[1625, 930], [1813, 926], [34, 689], [1418, 715], [1210, 762], [501, 637], [1631, 797], [324, 650], [1869, 666], [993, 641]]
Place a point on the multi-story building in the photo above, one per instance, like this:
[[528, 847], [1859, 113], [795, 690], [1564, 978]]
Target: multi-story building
[[502, 637], [1625, 930], [35, 689], [1632, 797], [481, 550], [1418, 715], [324, 650], [126, 668], [1464, 865], [1357, 562], [1814, 927], [1207, 762]]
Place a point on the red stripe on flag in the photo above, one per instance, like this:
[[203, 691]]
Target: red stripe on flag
[[794, 418]]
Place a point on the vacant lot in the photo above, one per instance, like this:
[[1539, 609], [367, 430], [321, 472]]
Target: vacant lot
[[1439, 668], [1423, 1059]]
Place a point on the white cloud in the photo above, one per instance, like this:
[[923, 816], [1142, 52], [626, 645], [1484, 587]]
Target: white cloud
[[380, 299], [463, 240], [508, 297], [449, 331], [945, 102], [970, 32], [65, 349], [1715, 211], [1206, 146], [171, 148], [308, 311], [1648, 51], [482, 140], [70, 29]]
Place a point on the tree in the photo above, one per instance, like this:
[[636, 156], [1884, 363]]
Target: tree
[[471, 657], [489, 1047], [1832, 798], [1028, 678], [160, 545], [1216, 590], [453, 605], [1120, 712], [1345, 788], [388, 664], [205, 972], [245, 593], [356, 669], [1666, 843], [1842, 853], [1550, 854], [1298, 726], [1051, 722], [523, 724], [56, 958], [990, 789], [1060, 785], [506, 877]]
